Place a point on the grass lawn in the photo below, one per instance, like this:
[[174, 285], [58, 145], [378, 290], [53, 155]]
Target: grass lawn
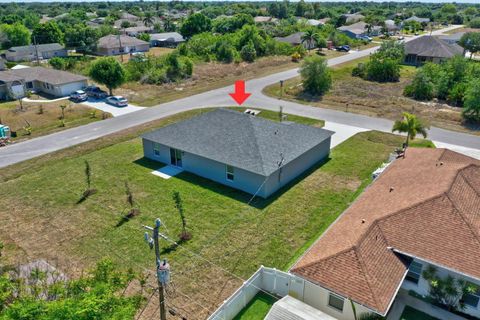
[[257, 308], [44, 118], [385, 100], [231, 239], [410, 313]]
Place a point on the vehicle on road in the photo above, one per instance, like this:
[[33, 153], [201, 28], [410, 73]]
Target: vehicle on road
[[365, 38], [95, 92], [79, 96], [344, 48], [117, 101]]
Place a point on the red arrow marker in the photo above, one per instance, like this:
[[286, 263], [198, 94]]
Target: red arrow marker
[[240, 95]]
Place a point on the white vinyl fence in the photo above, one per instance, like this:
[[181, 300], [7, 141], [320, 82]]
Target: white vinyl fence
[[273, 281]]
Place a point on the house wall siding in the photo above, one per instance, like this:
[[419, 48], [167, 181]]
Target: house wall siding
[[244, 180], [298, 166], [317, 297], [423, 286]]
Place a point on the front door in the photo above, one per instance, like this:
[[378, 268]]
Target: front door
[[175, 157]]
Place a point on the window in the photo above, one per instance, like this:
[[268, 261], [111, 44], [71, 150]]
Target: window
[[335, 302], [156, 149], [414, 272], [30, 85], [230, 172], [472, 297]]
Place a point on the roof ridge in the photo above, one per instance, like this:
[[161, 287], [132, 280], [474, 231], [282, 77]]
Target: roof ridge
[[365, 273], [460, 172], [326, 258], [469, 226], [257, 146]]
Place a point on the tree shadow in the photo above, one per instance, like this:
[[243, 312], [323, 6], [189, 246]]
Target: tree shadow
[[235, 194], [127, 217], [86, 194]]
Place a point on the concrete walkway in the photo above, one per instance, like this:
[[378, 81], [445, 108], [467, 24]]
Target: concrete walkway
[[44, 100]]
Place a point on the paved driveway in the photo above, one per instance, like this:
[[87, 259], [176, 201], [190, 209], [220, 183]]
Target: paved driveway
[[115, 111]]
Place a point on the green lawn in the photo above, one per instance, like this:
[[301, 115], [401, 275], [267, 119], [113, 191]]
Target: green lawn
[[410, 313], [257, 308], [231, 239]]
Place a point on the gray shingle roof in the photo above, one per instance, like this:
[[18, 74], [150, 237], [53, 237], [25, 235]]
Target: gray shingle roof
[[54, 77], [294, 38], [431, 46], [30, 49], [243, 141], [177, 37], [111, 41]]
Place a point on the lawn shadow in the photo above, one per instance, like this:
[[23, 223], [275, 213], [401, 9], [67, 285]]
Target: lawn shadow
[[237, 195]]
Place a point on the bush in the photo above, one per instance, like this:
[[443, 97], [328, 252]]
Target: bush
[[57, 63], [421, 87], [248, 52], [225, 52], [382, 70], [475, 23], [471, 107], [359, 70], [316, 76]]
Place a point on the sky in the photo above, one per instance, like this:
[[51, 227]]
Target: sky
[[424, 1]]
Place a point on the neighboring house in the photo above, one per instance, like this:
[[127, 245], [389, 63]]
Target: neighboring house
[[134, 31], [264, 19], [238, 150], [391, 27], [119, 44], [452, 38], [2, 65], [430, 49], [15, 83], [295, 39], [359, 29], [352, 17], [417, 19], [422, 211], [166, 39], [29, 53]]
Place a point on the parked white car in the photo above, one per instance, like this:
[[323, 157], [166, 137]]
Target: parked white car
[[117, 101]]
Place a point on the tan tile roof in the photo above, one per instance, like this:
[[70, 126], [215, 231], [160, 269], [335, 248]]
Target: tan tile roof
[[426, 206]]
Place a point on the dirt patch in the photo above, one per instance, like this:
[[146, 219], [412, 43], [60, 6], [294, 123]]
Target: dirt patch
[[319, 179], [206, 76]]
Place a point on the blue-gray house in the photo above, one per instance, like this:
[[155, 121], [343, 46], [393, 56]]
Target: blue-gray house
[[242, 151]]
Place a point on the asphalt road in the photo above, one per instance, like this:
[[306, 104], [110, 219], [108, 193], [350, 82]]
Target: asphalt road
[[215, 98]]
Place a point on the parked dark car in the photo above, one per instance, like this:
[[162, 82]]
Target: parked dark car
[[96, 92], [344, 48], [79, 96]]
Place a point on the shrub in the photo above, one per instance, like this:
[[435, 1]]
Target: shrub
[[382, 70], [475, 23], [471, 105], [421, 87], [248, 52], [359, 70], [225, 52], [316, 76], [57, 63]]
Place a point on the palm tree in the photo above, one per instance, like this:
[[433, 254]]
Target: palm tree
[[310, 37], [148, 19], [411, 125], [168, 24]]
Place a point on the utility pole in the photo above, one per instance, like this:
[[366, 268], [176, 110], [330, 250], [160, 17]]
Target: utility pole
[[120, 47], [36, 49], [163, 268]]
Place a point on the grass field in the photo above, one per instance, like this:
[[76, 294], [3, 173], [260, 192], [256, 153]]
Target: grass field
[[231, 239], [385, 100], [257, 308], [44, 118]]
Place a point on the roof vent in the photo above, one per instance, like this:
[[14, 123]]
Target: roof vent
[[391, 189], [363, 220]]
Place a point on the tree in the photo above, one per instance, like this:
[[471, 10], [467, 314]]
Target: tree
[[421, 87], [411, 125], [16, 35], [471, 103], [248, 52], [148, 19], [225, 52], [471, 42], [382, 69], [185, 235], [109, 72], [311, 37], [84, 39], [47, 33], [316, 76], [195, 24], [169, 25], [392, 49], [301, 8], [144, 37]]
